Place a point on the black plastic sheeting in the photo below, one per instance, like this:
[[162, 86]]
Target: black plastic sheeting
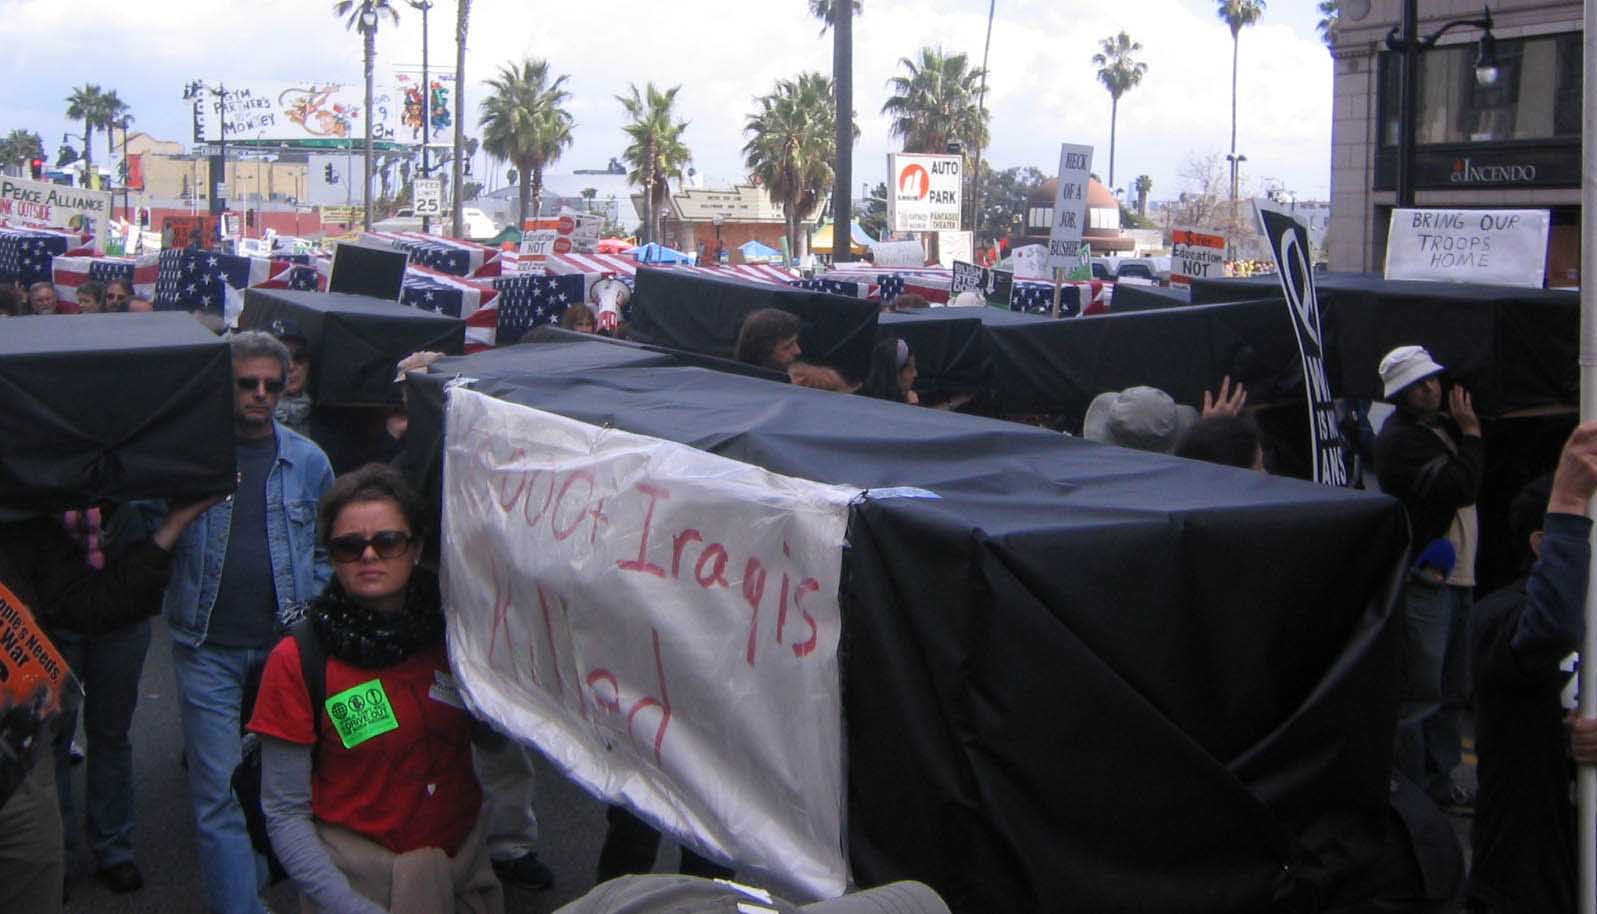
[[113, 406], [1075, 677], [355, 342], [1515, 349], [1130, 297], [698, 313]]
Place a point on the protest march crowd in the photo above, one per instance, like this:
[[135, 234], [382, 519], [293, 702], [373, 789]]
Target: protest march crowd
[[326, 739]]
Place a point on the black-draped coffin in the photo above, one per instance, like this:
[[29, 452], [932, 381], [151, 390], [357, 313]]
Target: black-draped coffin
[[1075, 677], [113, 406], [686, 310], [355, 341]]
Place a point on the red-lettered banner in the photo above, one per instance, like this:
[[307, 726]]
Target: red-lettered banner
[[35, 685]]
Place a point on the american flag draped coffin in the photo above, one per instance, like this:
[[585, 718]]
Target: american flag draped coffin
[[190, 279], [26, 254], [446, 255], [72, 272]]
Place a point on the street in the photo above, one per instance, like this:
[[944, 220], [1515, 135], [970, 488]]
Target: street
[[571, 822]]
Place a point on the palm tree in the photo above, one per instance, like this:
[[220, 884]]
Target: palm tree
[[462, 21], [21, 146], [523, 122], [935, 102], [840, 17], [112, 111], [1330, 13], [656, 153], [826, 11], [1143, 186], [792, 147], [1119, 73], [87, 104], [363, 18], [1237, 15]]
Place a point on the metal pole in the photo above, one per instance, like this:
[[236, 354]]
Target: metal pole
[[426, 111], [981, 105], [125, 173], [1409, 105], [1586, 777], [218, 165], [843, 184]]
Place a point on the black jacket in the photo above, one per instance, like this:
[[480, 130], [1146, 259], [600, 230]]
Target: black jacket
[[1432, 481], [45, 567]]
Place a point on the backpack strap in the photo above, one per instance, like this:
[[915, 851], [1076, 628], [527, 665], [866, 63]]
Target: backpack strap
[[313, 669]]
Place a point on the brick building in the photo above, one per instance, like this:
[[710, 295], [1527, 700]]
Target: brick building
[[1512, 144]]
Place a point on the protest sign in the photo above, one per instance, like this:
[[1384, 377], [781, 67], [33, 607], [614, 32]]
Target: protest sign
[[923, 193], [1489, 247], [1031, 262], [966, 276], [662, 623], [898, 254], [188, 231], [952, 246], [1289, 245], [73, 208], [35, 685], [1195, 255], [1070, 207]]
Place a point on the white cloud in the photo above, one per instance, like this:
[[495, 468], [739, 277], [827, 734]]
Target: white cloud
[[1042, 89]]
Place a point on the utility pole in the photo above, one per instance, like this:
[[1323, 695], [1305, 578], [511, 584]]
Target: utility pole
[[426, 105]]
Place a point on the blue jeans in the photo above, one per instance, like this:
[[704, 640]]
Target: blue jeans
[[210, 686], [108, 665], [1435, 681]]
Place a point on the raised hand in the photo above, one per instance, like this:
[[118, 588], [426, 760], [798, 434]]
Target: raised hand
[[1228, 403]]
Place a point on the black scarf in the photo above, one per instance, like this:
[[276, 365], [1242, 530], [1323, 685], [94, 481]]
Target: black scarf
[[372, 639]]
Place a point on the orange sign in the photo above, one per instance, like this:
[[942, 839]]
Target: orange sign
[[35, 684], [184, 231]]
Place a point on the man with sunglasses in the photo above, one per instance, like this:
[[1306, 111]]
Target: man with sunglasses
[[233, 571]]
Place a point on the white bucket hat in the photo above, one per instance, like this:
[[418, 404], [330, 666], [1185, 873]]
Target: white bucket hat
[[1406, 365], [1145, 418]]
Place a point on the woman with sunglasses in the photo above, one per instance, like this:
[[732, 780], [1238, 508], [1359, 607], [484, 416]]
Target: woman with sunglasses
[[372, 804]]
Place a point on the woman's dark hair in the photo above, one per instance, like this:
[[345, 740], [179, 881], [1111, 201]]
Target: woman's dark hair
[[576, 313], [761, 332], [93, 290], [11, 304], [1228, 440], [881, 381], [372, 482]]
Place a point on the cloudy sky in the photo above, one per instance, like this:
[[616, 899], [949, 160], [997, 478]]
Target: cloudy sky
[[1042, 89]]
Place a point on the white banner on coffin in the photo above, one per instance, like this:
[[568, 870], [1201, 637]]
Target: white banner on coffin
[[661, 622], [1492, 247]]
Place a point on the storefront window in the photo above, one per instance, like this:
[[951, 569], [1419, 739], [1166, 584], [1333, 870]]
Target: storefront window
[[1537, 95], [1041, 217]]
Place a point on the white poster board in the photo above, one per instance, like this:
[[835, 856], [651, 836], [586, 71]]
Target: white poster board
[[1070, 207], [662, 623], [923, 192], [1195, 255], [952, 246], [76, 209], [1030, 261], [428, 197], [898, 254], [1500, 247]]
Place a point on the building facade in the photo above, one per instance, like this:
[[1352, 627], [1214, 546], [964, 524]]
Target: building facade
[[1510, 144], [704, 220]]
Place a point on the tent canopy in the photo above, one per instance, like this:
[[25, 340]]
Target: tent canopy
[[755, 249], [658, 253], [612, 246], [859, 242]]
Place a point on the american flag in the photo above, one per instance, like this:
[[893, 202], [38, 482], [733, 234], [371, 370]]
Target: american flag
[[446, 255], [833, 287], [526, 302], [471, 299], [25, 256], [1038, 298], [195, 280], [71, 272], [889, 287]]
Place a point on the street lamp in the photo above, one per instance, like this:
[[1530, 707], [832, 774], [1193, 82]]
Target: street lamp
[[426, 102], [1236, 161], [718, 220], [1406, 39], [368, 28]]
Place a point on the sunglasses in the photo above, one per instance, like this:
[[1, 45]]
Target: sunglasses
[[387, 544], [249, 385]]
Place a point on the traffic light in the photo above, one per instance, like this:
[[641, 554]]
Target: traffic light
[[36, 168], [465, 167], [329, 174]]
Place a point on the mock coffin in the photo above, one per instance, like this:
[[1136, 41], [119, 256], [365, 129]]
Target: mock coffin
[[688, 310], [355, 342], [113, 406], [1073, 677]]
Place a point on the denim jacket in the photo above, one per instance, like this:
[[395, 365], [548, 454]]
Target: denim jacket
[[300, 567]]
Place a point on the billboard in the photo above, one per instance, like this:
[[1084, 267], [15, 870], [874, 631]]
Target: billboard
[[923, 193], [308, 111], [437, 99]]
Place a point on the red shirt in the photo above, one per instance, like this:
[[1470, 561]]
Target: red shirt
[[409, 787]]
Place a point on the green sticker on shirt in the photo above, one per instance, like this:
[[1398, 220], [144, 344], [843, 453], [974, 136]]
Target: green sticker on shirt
[[361, 713]]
